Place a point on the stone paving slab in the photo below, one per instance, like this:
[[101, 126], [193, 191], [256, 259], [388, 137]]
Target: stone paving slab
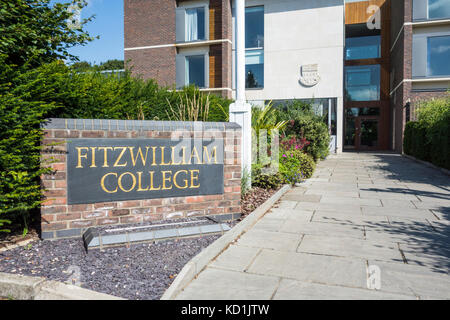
[[230, 285], [298, 290], [320, 228], [270, 240], [349, 247], [310, 267], [420, 281], [324, 239], [346, 217], [236, 258], [301, 215]]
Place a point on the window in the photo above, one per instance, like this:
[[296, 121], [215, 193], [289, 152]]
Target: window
[[438, 56], [362, 83], [195, 24], [254, 44], [362, 42], [438, 9], [191, 22], [195, 70], [362, 47], [254, 27]]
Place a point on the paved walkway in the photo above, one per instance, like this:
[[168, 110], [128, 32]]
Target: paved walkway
[[366, 226]]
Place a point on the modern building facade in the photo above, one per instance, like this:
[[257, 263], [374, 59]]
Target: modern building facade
[[360, 63], [420, 58]]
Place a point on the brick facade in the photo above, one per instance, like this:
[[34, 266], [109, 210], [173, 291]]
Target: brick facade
[[149, 23], [61, 220], [401, 69]]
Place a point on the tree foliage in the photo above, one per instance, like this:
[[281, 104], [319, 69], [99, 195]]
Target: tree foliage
[[33, 32]]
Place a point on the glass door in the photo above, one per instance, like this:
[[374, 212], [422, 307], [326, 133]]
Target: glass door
[[368, 133]]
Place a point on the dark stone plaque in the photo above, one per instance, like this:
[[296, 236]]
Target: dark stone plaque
[[103, 170]]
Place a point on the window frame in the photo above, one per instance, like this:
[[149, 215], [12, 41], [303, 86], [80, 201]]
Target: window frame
[[428, 75], [258, 48], [188, 52], [193, 5], [419, 61], [428, 13], [346, 87]]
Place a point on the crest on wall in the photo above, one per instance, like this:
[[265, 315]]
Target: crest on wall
[[309, 75]]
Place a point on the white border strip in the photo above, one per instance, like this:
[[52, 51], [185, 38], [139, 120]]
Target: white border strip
[[181, 45]]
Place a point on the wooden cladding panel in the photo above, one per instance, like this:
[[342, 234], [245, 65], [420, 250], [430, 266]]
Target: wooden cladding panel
[[215, 20], [357, 12], [215, 66]]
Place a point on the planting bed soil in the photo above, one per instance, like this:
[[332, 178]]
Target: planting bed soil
[[141, 271]]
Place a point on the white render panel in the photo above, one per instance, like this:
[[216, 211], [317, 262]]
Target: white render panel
[[296, 33]]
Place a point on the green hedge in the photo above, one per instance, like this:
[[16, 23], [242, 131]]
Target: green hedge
[[114, 96], [428, 138], [28, 97]]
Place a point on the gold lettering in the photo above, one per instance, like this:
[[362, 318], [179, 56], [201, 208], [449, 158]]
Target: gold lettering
[[154, 156], [175, 180], [162, 158], [81, 155], [196, 154], [184, 155], [213, 154], [194, 178], [105, 155], [116, 164], [173, 157], [93, 157], [102, 182], [166, 179], [152, 173], [120, 181], [139, 153], [140, 182]]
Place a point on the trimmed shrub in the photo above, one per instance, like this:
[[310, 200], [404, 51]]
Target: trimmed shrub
[[265, 180], [113, 96], [428, 138], [20, 167], [295, 166], [303, 123]]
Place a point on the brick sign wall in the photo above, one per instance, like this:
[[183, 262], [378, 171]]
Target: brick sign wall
[[108, 172]]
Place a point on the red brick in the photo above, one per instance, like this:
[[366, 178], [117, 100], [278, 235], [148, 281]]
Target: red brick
[[131, 219], [53, 226], [79, 207], [60, 184], [93, 134], [68, 216], [119, 212], [55, 193], [104, 221], [59, 166], [47, 218], [95, 214], [117, 134], [82, 224], [105, 205], [152, 202], [128, 204], [53, 209], [66, 134]]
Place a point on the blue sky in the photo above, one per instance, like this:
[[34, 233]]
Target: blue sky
[[108, 24]]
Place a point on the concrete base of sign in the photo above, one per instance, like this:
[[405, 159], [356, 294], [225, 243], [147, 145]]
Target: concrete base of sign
[[19, 287], [94, 238]]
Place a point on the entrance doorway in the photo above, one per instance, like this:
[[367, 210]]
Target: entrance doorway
[[362, 129]]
